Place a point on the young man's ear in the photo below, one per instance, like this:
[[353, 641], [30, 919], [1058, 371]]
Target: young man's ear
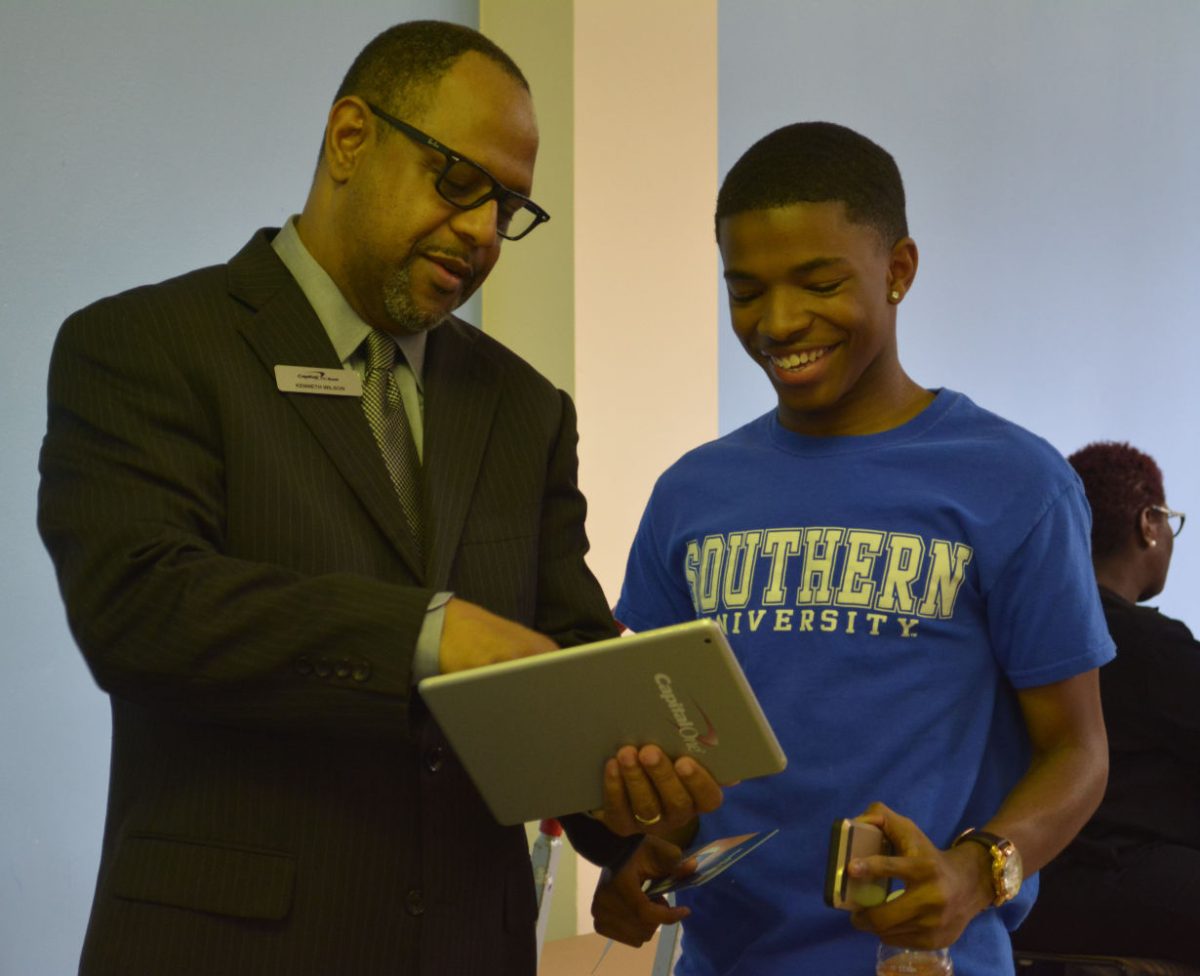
[[902, 269]]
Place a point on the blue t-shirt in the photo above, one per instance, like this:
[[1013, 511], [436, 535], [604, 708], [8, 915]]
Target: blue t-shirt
[[884, 594]]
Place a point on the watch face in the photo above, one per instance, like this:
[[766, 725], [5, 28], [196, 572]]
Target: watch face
[[1012, 873], [1007, 869]]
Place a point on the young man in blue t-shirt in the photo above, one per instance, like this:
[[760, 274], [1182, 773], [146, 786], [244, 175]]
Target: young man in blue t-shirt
[[906, 581]]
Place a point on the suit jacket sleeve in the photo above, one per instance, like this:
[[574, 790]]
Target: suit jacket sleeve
[[137, 507], [215, 563]]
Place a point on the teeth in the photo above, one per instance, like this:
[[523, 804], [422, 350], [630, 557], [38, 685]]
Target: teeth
[[797, 359]]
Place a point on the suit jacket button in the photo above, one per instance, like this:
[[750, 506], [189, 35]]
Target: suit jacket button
[[303, 666], [361, 672], [414, 904], [433, 759]]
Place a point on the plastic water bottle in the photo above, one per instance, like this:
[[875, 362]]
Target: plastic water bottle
[[897, 961]]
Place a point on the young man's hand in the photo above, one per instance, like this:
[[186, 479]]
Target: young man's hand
[[942, 890], [621, 910]]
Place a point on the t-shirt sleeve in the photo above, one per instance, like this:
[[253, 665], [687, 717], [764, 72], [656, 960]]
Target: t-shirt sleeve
[[655, 590], [1044, 611]]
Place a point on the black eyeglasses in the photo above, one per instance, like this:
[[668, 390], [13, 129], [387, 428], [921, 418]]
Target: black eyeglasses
[[468, 185], [1174, 519]]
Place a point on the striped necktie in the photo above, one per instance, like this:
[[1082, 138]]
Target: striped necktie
[[389, 423]]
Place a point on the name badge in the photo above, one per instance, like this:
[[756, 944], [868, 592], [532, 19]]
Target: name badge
[[316, 379]]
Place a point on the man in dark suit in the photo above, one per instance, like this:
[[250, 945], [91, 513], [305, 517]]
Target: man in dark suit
[[258, 590]]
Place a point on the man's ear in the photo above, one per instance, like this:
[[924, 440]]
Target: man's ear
[[902, 269], [346, 135]]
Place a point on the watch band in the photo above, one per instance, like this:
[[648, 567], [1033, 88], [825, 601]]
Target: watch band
[[1006, 862]]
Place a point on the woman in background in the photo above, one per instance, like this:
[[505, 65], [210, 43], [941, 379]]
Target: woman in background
[[1130, 883]]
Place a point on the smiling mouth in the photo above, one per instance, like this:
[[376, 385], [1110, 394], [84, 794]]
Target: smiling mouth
[[798, 360]]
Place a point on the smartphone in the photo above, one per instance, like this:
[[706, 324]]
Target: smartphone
[[848, 840]]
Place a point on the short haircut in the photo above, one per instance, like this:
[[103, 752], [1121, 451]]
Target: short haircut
[[398, 69], [818, 162], [1120, 482]]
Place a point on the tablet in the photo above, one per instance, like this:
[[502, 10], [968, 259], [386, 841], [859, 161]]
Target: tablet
[[534, 734]]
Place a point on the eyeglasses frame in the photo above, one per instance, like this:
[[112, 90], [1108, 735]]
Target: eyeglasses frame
[[499, 192], [1169, 513]]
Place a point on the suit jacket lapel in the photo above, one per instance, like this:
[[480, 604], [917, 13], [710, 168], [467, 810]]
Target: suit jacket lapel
[[461, 394], [286, 331]]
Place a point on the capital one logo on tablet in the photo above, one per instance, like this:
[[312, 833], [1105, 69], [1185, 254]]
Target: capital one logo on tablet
[[693, 739]]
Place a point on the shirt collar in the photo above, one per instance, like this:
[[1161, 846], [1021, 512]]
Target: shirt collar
[[342, 324]]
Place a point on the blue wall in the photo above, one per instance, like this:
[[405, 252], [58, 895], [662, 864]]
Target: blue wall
[[1050, 153]]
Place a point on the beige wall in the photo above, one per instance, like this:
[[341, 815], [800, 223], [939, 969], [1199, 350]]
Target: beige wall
[[615, 299], [529, 300], [645, 297]]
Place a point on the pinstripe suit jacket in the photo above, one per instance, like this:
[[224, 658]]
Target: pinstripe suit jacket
[[238, 574]]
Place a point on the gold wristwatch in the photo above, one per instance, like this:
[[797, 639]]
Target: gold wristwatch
[[1007, 870]]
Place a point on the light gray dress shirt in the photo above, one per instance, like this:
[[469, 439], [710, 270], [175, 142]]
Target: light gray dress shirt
[[347, 332]]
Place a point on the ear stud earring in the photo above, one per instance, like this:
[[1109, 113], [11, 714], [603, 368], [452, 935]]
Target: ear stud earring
[[894, 296], [1153, 543]]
